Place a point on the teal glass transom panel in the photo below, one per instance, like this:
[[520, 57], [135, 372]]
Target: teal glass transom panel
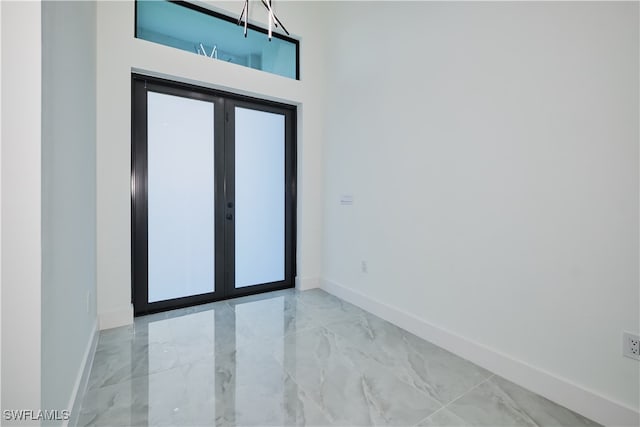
[[203, 32]]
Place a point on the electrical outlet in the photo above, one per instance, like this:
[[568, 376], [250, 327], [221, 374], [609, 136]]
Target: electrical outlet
[[364, 267], [631, 345]]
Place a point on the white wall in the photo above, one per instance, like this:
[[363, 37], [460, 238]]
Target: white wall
[[21, 243], [0, 205], [68, 196], [119, 54], [492, 152]]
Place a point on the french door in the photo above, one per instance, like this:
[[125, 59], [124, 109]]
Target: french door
[[213, 192]]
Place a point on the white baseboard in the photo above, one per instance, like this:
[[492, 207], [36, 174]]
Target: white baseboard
[[116, 318], [82, 379], [304, 283], [557, 389]]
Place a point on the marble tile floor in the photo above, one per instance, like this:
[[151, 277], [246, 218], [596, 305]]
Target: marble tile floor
[[295, 358]]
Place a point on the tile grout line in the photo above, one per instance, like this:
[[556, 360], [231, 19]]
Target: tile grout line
[[458, 398], [326, 325], [444, 406], [360, 315], [381, 366]]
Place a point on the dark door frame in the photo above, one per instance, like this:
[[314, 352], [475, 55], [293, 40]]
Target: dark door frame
[[224, 135]]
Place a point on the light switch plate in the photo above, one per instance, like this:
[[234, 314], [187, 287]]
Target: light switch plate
[[346, 200]]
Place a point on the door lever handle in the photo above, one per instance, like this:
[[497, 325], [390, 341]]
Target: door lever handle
[[229, 216]]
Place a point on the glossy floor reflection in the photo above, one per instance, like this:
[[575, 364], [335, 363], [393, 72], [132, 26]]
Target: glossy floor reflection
[[294, 358]]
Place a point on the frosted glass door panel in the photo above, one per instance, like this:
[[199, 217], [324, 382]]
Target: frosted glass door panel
[[259, 197], [180, 197]]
